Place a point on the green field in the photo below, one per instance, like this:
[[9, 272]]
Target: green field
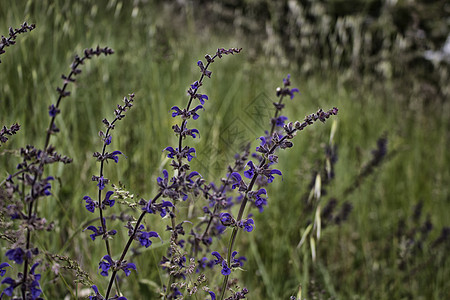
[[385, 249]]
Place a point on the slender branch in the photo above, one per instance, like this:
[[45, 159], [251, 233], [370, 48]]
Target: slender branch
[[127, 246]]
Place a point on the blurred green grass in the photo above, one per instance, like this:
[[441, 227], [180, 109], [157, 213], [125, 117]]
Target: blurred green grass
[[155, 57]]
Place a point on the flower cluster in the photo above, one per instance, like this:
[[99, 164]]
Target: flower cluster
[[8, 131], [30, 285], [13, 33], [189, 251], [24, 189]]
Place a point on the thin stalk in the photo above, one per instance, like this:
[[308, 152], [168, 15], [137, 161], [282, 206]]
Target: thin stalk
[[276, 115], [127, 247]]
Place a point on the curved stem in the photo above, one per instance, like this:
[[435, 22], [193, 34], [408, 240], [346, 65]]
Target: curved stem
[[276, 115], [127, 247]]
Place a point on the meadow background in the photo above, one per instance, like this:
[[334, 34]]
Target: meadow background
[[364, 57]]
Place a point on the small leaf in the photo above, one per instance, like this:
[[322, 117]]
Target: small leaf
[[299, 294], [318, 223], [305, 234], [333, 130], [312, 243], [317, 187]]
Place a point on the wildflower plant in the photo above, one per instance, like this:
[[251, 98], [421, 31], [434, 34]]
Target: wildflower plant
[[194, 253]]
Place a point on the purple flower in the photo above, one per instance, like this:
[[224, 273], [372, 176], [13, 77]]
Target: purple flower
[[247, 224], [35, 290], [250, 172], [126, 268], [105, 264], [101, 183], [236, 180], [192, 174], [269, 176], [201, 98], [114, 156], [286, 90], [195, 85], [107, 142], [164, 180], [203, 69], [107, 201], [53, 111], [225, 269], [172, 152], [226, 219], [292, 91], [96, 232], [192, 132], [193, 111], [97, 296], [287, 80], [2, 270], [176, 111], [47, 186], [237, 262], [90, 204], [218, 256], [16, 255], [259, 200], [280, 121], [9, 290], [263, 140], [213, 296], [189, 155], [144, 237]]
